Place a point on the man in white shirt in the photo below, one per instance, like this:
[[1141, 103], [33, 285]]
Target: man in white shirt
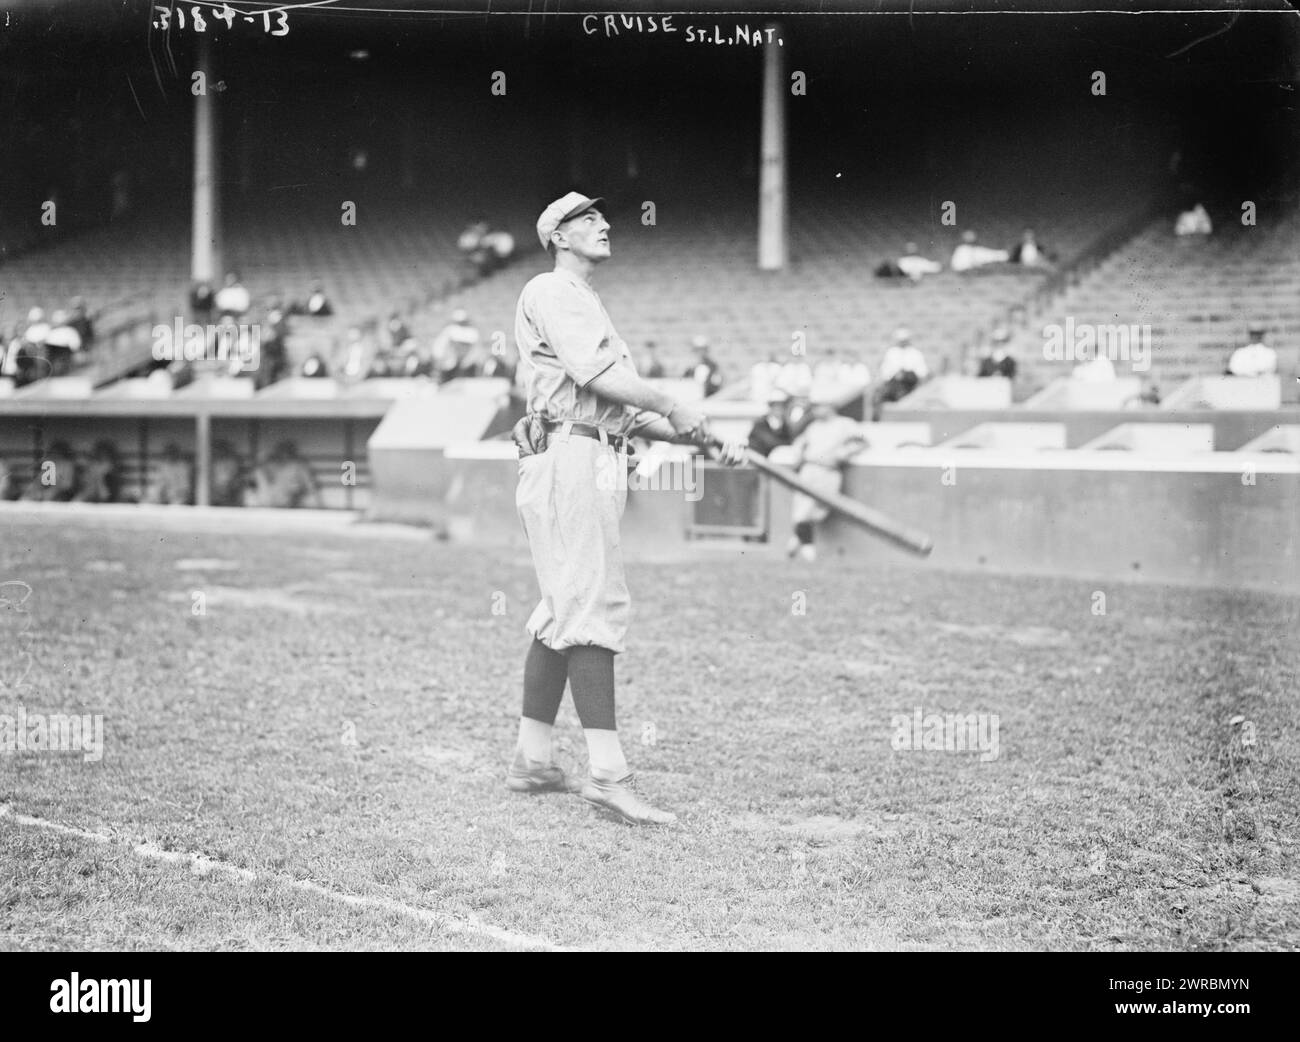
[[1097, 369], [1255, 359], [902, 368], [902, 358], [1195, 221], [968, 256], [914, 266], [233, 298], [455, 342]]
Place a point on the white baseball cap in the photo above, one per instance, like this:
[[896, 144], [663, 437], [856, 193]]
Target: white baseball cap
[[563, 209]]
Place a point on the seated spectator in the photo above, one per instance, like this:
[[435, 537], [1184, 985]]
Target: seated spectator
[[1255, 359], [232, 298], [1095, 369], [650, 368], [31, 362], [916, 267], [772, 429], [995, 361], [202, 300], [414, 360], [829, 378], [1029, 253], [173, 479], [284, 481], [396, 332], [855, 372], [763, 379], [902, 368], [453, 345], [80, 321], [10, 345], [968, 256], [314, 367], [499, 364], [62, 344], [274, 362], [57, 477], [474, 360], [356, 356], [704, 370], [101, 476], [318, 305], [226, 349], [1195, 221], [499, 246], [229, 479], [471, 245]]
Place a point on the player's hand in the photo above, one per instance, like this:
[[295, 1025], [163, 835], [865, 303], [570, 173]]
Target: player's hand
[[729, 453], [688, 424]]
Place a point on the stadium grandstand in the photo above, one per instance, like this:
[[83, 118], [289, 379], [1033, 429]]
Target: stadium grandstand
[[348, 155]]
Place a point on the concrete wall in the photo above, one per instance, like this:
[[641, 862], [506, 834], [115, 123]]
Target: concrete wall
[[1235, 523], [1231, 429], [1225, 525]]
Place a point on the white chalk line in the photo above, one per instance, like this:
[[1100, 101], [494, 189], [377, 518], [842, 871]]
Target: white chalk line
[[202, 865]]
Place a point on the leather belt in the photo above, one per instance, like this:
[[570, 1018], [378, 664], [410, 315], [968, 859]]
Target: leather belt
[[616, 442]]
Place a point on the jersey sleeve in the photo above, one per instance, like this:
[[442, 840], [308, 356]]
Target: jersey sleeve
[[574, 327]]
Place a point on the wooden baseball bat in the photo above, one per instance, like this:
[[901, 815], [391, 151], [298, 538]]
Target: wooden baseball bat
[[882, 525]]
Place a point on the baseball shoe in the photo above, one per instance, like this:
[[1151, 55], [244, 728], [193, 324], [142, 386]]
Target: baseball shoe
[[618, 797], [527, 775], [808, 552]]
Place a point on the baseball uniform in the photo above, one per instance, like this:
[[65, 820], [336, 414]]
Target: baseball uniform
[[569, 507]]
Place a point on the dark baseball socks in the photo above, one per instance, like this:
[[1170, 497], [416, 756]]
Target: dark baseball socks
[[591, 679], [590, 674], [545, 672]]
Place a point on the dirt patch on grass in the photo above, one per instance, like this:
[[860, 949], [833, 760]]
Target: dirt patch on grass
[[240, 598], [820, 828], [1023, 636], [205, 564], [1278, 888]]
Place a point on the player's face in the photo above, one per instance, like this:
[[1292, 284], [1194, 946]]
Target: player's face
[[587, 235]]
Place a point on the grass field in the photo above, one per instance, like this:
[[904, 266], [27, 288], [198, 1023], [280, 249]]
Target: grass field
[[316, 761]]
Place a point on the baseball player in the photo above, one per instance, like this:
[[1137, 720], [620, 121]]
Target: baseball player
[[828, 443], [585, 400]]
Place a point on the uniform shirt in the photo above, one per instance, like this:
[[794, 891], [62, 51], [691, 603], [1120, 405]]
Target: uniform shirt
[[1253, 360], [831, 442], [567, 340]]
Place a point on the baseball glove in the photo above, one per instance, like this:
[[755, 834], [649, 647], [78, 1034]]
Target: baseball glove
[[529, 435]]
